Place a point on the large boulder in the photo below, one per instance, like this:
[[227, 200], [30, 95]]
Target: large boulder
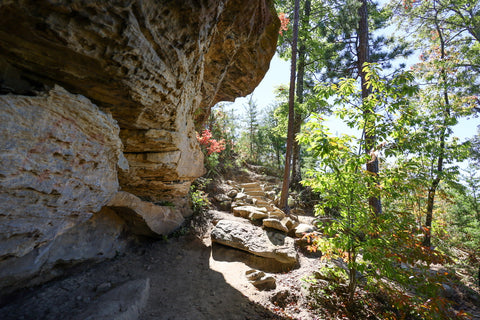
[[100, 237], [255, 240], [98, 96], [155, 66], [58, 166]]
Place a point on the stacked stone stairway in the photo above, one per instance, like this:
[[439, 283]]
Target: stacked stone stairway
[[259, 227]]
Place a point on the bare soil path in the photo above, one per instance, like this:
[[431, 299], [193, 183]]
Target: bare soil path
[[187, 281]]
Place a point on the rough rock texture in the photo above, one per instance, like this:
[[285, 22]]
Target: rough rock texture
[[303, 228], [98, 238], [250, 238], [124, 302], [275, 224], [250, 212], [145, 218], [153, 67], [58, 165]]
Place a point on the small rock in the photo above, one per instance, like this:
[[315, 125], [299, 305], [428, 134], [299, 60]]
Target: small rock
[[265, 283], [289, 223], [256, 193], [232, 193], [249, 200], [275, 224], [225, 205], [271, 195], [253, 274], [245, 211], [283, 298], [260, 280], [276, 213], [303, 228], [307, 220], [241, 196], [257, 215]]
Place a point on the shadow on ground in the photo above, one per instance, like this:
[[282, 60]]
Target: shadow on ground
[[182, 286]]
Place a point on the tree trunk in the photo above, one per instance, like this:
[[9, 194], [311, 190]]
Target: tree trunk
[[427, 241], [296, 159], [363, 55], [291, 105], [299, 117]]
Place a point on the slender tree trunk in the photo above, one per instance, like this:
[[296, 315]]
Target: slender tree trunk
[[299, 117], [427, 241], [291, 105], [296, 159], [363, 55]]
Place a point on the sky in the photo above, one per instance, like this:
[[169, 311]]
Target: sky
[[279, 74]]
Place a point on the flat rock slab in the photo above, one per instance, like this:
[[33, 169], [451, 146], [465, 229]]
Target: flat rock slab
[[275, 224], [146, 218], [302, 229], [251, 186], [247, 237], [124, 302], [250, 212]]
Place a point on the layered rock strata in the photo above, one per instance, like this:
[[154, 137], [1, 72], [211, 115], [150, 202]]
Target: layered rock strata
[[154, 67], [247, 237], [58, 167], [102, 96]]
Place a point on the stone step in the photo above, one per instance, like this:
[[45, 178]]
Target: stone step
[[247, 187], [250, 212], [255, 193], [262, 203], [250, 185]]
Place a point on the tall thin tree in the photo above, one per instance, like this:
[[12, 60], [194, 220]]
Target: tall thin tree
[[291, 110], [363, 56], [299, 115]]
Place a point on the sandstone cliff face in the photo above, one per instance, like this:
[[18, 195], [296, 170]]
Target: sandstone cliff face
[[105, 95]]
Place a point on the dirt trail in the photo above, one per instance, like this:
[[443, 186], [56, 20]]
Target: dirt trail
[[187, 281]]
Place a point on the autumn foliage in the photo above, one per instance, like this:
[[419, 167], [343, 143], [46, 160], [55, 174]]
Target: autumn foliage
[[284, 22], [211, 145]]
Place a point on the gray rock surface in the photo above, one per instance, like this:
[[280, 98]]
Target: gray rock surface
[[144, 73], [260, 280], [96, 239], [250, 212], [156, 66], [124, 302], [58, 166], [275, 224], [145, 218], [303, 228], [247, 237]]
